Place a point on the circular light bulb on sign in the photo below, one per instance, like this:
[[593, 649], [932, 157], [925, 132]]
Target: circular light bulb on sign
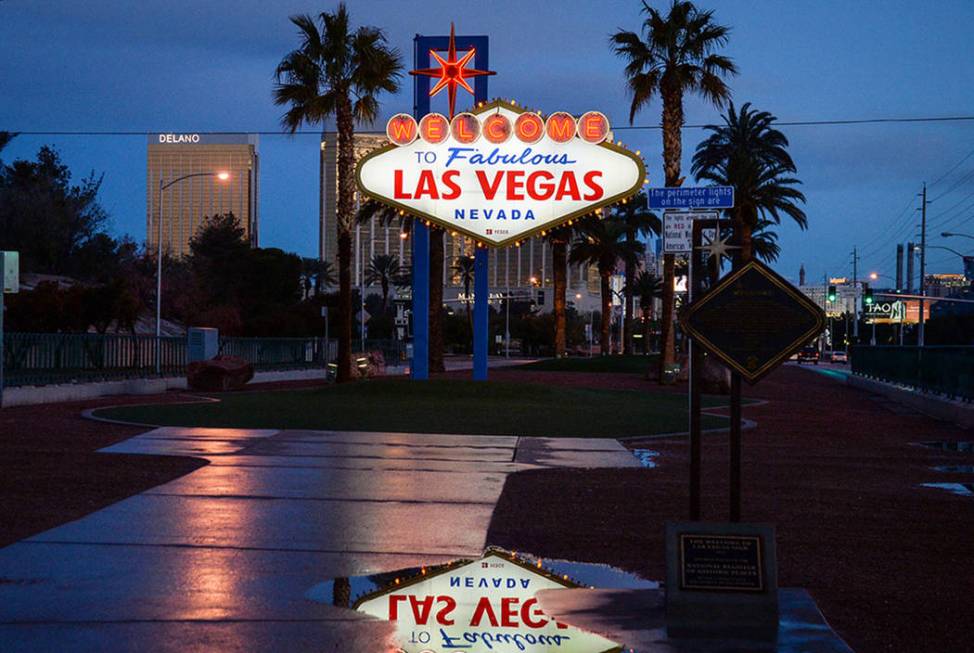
[[434, 128], [560, 127], [529, 128], [593, 127], [465, 128], [497, 128], [401, 129]]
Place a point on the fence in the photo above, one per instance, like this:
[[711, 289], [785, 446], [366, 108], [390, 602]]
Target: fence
[[943, 370]]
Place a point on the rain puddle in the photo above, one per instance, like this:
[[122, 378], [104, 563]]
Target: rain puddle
[[960, 489], [961, 447], [955, 469], [646, 457], [486, 604]]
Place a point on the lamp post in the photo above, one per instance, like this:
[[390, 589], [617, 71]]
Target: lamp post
[[163, 185], [950, 234]]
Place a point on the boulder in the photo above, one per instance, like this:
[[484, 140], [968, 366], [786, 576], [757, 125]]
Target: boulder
[[219, 374]]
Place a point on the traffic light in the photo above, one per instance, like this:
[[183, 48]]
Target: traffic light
[[867, 296], [832, 294]]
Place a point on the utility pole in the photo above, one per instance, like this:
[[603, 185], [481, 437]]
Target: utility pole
[[855, 291], [923, 261]]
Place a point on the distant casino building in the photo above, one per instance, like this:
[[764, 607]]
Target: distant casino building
[[187, 204], [524, 268]]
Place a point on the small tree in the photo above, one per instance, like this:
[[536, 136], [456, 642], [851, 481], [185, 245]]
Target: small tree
[[383, 270], [464, 267]]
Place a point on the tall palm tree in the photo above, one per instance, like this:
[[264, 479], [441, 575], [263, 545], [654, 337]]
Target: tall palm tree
[[558, 239], [764, 242], [675, 55], [337, 71], [383, 269], [647, 286], [639, 221], [603, 243], [748, 153], [463, 267]]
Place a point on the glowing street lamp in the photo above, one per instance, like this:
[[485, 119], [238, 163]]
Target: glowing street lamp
[[220, 175]]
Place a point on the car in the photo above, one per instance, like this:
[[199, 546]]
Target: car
[[840, 356], [808, 354]]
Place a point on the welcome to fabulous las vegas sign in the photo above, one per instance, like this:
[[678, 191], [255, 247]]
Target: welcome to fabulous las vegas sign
[[500, 173]]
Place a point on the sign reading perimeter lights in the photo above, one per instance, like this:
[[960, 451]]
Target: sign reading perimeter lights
[[500, 174]]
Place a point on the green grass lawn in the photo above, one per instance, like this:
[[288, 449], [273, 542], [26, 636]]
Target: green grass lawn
[[619, 364], [441, 406]]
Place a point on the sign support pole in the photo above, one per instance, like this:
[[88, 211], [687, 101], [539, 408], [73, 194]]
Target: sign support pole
[[696, 366], [735, 448], [421, 251], [480, 314]]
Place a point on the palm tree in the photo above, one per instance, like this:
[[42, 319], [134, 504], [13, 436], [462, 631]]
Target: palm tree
[[603, 243], [678, 56], [318, 276], [338, 72], [639, 221], [558, 239], [764, 242], [746, 152], [383, 270], [463, 267], [647, 286]]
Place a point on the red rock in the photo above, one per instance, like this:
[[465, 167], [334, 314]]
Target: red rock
[[219, 374]]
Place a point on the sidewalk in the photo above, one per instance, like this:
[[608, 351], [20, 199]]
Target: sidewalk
[[220, 559]]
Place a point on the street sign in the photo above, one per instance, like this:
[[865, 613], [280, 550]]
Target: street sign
[[500, 173], [753, 320], [363, 316], [10, 262], [707, 197], [678, 229], [487, 604]]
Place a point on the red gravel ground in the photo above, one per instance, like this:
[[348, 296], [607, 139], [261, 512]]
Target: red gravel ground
[[835, 470], [50, 472]]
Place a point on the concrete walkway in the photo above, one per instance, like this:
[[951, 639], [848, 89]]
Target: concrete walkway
[[220, 559]]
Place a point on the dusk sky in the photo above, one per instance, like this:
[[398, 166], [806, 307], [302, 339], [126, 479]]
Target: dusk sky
[[189, 66]]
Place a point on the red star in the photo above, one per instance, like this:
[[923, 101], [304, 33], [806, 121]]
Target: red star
[[452, 73]]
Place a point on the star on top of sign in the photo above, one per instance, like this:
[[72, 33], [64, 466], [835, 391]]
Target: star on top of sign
[[452, 72], [718, 247]]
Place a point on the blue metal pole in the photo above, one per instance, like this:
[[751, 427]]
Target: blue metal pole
[[480, 315], [421, 301]]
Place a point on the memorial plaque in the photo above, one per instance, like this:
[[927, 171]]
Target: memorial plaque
[[720, 563], [753, 320]]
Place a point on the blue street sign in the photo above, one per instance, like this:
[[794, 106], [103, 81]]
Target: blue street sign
[[709, 197]]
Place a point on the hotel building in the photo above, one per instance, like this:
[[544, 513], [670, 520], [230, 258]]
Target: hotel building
[[186, 205]]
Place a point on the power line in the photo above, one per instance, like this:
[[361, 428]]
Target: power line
[[317, 132], [956, 184], [956, 165]]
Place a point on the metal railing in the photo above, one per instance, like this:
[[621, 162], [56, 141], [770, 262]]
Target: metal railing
[[55, 358], [946, 370], [49, 358]]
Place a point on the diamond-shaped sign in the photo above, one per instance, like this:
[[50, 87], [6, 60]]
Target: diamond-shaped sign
[[753, 320], [500, 173]]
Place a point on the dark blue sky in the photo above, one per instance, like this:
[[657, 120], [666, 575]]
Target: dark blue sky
[[186, 65]]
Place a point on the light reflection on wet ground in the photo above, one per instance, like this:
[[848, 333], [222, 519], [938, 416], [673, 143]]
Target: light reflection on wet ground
[[958, 446], [646, 457], [960, 489]]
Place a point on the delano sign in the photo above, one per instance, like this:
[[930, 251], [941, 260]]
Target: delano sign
[[500, 173], [480, 605]]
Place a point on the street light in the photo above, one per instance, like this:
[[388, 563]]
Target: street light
[[949, 234], [220, 175]]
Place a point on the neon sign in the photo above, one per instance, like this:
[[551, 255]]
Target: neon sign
[[499, 173]]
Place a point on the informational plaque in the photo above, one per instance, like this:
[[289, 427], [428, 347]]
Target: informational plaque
[[753, 320], [721, 580], [720, 563]]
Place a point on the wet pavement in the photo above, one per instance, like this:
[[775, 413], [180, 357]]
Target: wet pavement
[[223, 558]]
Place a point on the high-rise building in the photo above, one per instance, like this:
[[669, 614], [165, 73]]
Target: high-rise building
[[524, 267], [184, 206]]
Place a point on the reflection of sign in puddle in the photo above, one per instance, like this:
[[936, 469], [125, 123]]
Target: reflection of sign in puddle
[[487, 604], [958, 446], [646, 457]]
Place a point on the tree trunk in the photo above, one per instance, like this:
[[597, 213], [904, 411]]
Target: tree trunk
[[559, 264], [436, 300], [604, 348], [346, 209], [341, 593], [672, 151], [647, 327], [385, 293], [630, 300]]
